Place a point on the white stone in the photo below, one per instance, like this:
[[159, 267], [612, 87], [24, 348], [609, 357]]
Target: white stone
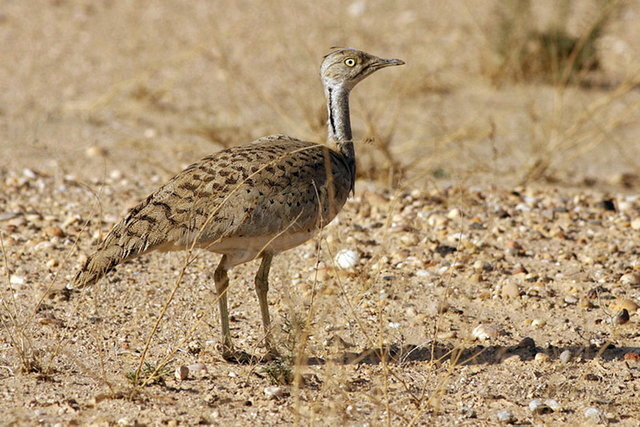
[[17, 280], [275, 392], [346, 259]]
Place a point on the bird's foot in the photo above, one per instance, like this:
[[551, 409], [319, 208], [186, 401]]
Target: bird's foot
[[271, 355], [238, 356]]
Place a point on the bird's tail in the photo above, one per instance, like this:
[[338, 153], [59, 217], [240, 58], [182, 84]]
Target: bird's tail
[[134, 235], [98, 264]]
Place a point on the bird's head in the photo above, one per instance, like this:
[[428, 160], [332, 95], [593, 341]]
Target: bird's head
[[345, 67]]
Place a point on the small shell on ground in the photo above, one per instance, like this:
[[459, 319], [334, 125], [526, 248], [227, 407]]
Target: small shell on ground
[[621, 317], [346, 259], [182, 373], [486, 331]]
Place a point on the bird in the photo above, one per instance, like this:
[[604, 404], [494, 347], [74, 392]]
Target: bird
[[249, 201]]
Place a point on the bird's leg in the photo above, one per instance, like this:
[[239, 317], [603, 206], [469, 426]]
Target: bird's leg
[[222, 283], [262, 287]]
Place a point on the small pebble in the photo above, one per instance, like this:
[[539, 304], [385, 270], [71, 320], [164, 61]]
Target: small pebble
[[538, 323], [17, 280], [447, 335], [275, 392], [510, 290], [115, 174], [635, 357], [29, 173], [541, 357], [197, 367], [482, 266], [506, 417], [553, 404], [346, 259], [631, 279], [468, 412], [566, 356], [9, 215], [624, 304], [43, 246], [453, 213], [96, 151], [570, 299], [70, 220], [182, 373], [594, 414], [512, 359], [635, 224], [410, 240], [484, 332], [538, 407], [54, 231]]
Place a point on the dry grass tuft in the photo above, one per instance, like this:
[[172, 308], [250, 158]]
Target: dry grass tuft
[[551, 55]]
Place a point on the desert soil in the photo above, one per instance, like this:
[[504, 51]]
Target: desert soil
[[486, 270]]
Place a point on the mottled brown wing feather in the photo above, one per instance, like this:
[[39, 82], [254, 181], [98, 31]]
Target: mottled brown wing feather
[[275, 185]]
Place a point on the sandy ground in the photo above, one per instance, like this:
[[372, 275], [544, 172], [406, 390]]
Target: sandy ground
[[494, 230]]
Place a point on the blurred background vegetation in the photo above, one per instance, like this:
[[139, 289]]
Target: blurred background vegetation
[[504, 92]]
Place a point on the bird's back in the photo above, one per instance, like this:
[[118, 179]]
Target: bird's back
[[272, 194]]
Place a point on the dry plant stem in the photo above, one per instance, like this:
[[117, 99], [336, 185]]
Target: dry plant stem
[[440, 389], [383, 359], [189, 259], [20, 341], [383, 141], [4, 257], [584, 38], [445, 154], [580, 130], [254, 87], [165, 360], [123, 85], [302, 345], [344, 293]]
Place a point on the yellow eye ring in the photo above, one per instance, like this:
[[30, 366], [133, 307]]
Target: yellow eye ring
[[350, 62]]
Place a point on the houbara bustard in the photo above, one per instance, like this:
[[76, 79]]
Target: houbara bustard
[[249, 201]]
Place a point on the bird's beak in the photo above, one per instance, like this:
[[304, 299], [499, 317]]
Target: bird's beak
[[381, 63]]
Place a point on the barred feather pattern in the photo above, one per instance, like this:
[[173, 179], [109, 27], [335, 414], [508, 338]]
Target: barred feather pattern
[[276, 186]]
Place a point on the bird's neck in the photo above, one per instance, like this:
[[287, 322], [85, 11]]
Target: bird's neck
[[339, 122]]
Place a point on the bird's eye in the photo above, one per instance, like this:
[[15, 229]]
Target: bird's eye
[[350, 62]]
